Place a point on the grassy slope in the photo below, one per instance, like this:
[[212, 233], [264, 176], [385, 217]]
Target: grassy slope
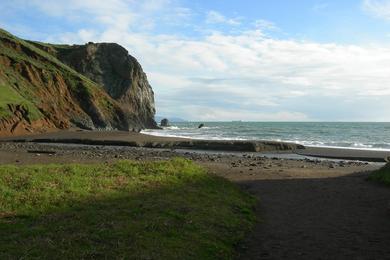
[[382, 175], [153, 210], [11, 96], [8, 85], [13, 82]]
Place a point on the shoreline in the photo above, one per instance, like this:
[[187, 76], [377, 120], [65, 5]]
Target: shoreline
[[282, 141], [131, 139], [346, 154]]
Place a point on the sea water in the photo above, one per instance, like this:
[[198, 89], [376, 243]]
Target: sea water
[[375, 136]]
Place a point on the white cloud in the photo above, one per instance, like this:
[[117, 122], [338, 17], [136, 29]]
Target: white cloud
[[259, 74], [113, 14], [207, 114], [378, 8], [262, 24], [216, 17]]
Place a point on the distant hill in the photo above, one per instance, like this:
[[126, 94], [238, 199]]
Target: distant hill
[[93, 86]]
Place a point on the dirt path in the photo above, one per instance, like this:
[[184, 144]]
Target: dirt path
[[326, 217]]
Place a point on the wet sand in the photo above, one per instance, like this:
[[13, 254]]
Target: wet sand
[[347, 154], [120, 138]]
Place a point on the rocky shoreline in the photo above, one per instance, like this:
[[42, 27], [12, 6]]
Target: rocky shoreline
[[132, 139], [30, 152]]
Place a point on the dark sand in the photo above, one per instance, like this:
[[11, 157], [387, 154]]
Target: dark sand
[[120, 138], [81, 135], [308, 208]]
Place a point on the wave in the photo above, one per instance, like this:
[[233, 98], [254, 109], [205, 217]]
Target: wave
[[163, 133], [172, 127], [343, 145], [348, 136], [189, 128]]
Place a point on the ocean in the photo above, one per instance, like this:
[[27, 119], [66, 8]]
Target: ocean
[[372, 136]]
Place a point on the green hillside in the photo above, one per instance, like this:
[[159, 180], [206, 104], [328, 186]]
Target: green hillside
[[47, 89]]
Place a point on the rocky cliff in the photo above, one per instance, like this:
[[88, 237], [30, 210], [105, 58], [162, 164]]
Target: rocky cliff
[[111, 66], [94, 86]]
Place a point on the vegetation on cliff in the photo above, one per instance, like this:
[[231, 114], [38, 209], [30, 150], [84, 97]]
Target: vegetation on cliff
[[111, 66], [40, 92], [124, 210]]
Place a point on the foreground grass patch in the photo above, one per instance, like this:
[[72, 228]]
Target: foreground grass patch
[[382, 175], [149, 210]]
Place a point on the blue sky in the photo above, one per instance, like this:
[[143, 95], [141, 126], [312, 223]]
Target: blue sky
[[279, 60]]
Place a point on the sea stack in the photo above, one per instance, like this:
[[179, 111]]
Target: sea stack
[[164, 122]]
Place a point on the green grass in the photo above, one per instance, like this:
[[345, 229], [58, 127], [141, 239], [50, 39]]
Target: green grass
[[33, 54], [382, 175], [125, 210], [10, 96]]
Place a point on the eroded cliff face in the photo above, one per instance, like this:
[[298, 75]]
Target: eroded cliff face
[[20, 123], [39, 93], [121, 75]]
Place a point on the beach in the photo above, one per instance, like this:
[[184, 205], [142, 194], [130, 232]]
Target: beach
[[132, 139], [306, 205]]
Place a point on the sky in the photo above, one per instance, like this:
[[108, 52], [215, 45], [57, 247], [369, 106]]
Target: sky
[[222, 60]]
